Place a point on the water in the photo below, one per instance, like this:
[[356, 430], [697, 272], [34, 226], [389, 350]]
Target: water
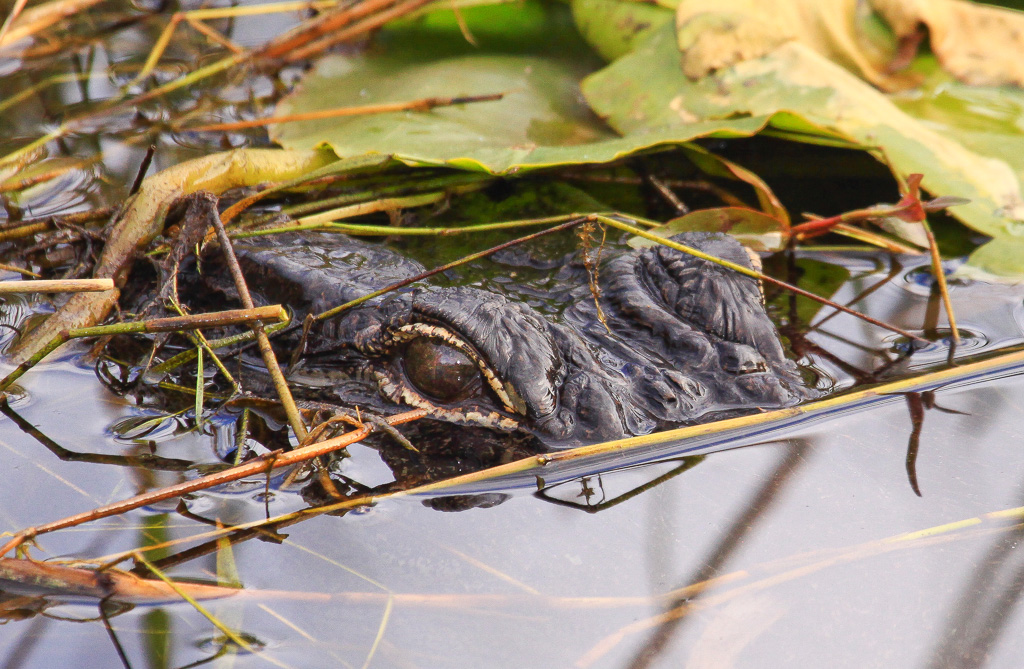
[[787, 545], [602, 566]]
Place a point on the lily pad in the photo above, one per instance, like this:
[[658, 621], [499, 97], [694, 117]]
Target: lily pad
[[541, 121], [648, 89], [998, 260]]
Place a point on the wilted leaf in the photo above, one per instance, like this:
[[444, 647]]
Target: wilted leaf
[[753, 229], [798, 80], [717, 166], [978, 44], [714, 34]]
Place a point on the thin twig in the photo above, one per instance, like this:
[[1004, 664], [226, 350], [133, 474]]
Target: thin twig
[[260, 465], [576, 219], [666, 192], [273, 313], [366, 25], [189, 354], [143, 168], [269, 359], [424, 104]]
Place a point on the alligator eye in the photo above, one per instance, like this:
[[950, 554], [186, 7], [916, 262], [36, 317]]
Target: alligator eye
[[440, 371]]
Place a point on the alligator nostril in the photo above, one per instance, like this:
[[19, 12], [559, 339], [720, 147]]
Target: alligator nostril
[[752, 366], [740, 359]]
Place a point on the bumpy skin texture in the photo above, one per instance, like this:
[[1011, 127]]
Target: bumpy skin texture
[[687, 341]]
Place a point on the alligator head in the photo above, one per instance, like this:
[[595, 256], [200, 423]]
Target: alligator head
[[665, 340]]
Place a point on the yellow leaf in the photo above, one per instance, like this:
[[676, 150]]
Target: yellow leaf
[[978, 44], [714, 34]]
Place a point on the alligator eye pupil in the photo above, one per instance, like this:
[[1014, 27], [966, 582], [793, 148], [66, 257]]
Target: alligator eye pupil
[[439, 370]]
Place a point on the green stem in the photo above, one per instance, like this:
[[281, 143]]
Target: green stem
[[214, 344], [198, 321], [389, 230], [369, 194], [940, 278]]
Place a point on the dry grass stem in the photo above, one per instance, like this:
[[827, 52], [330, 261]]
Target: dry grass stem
[[56, 286], [272, 313], [423, 104], [20, 270], [39, 18], [266, 351], [254, 467]]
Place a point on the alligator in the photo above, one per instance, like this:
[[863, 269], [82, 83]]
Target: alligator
[[640, 341]]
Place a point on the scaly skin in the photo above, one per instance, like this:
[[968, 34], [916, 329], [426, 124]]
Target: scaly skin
[[687, 342]]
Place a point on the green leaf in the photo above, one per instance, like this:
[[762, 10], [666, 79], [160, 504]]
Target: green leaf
[[137, 427], [541, 121], [614, 27], [227, 568], [753, 229], [647, 89], [985, 119], [1000, 260]]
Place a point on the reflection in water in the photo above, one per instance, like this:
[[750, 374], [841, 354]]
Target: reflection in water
[[795, 548], [588, 493], [984, 610], [712, 565], [761, 556], [917, 403]]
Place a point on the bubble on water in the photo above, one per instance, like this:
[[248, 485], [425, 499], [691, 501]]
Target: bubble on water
[[921, 281], [940, 343]]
